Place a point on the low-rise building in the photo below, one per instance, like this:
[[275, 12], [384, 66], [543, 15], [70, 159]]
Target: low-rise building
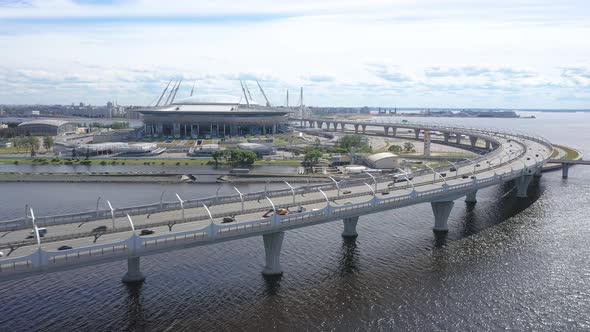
[[383, 160]]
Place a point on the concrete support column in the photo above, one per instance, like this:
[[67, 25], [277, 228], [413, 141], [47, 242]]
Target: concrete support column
[[522, 185], [342, 126], [176, 129], [320, 124], [417, 133], [446, 136], [160, 128], [471, 197], [473, 140], [272, 249], [133, 272], [350, 227], [565, 168], [458, 138], [364, 128], [356, 129], [393, 131], [386, 131], [441, 211]]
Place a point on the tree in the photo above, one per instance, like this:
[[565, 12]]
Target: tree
[[409, 147], [395, 149], [48, 142], [312, 158]]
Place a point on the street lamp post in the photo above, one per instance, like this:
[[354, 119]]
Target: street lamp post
[[433, 173], [374, 180], [181, 205], [97, 202], [112, 213], [292, 190], [161, 199], [370, 188], [337, 185], [131, 223], [241, 197]]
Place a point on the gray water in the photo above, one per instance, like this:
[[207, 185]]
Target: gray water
[[506, 263]]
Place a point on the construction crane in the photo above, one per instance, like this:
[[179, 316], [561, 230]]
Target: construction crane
[[263, 94], [163, 93]]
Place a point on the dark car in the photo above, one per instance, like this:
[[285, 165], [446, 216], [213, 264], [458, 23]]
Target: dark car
[[464, 176], [477, 165], [100, 229], [528, 158], [146, 232], [537, 155], [443, 174], [30, 236], [346, 192], [385, 193], [64, 248], [452, 169], [226, 220], [473, 177]]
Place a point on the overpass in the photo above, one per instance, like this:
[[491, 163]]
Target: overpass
[[565, 165], [189, 223]]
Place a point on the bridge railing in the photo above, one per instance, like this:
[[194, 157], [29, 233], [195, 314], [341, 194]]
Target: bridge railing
[[135, 245]]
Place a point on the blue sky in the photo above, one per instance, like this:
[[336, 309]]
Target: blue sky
[[455, 53]]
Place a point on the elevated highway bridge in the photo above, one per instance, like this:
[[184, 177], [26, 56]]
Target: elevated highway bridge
[[189, 223]]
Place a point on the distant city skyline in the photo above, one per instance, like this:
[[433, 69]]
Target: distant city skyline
[[439, 54]]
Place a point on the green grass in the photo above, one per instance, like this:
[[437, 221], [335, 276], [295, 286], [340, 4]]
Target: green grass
[[571, 153]]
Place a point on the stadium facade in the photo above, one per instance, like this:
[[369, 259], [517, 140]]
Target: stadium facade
[[214, 116]]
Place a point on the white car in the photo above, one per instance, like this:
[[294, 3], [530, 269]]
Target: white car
[[1, 254]]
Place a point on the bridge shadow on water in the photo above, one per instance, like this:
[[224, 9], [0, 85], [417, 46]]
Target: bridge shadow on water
[[348, 262], [136, 319], [496, 207]]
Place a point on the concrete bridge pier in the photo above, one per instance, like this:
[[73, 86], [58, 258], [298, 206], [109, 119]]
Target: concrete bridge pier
[[133, 271], [522, 185], [350, 227], [473, 140], [458, 138], [272, 249], [393, 131], [471, 197], [386, 131], [356, 129], [417, 133], [364, 128], [565, 168], [441, 211], [446, 136], [342, 126]]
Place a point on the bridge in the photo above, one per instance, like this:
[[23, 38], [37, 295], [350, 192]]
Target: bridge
[[114, 234], [565, 165]]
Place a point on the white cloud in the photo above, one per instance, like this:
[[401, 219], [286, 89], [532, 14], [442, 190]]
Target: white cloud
[[451, 53]]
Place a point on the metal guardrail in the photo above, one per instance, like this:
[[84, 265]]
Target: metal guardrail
[[136, 246]]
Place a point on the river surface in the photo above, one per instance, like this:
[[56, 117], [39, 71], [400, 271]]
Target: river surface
[[506, 263]]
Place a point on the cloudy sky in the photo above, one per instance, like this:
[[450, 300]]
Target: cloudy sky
[[428, 53]]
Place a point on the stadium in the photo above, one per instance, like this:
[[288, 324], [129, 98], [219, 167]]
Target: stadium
[[214, 116]]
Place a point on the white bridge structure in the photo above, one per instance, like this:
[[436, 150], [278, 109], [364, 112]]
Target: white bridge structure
[[114, 234]]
